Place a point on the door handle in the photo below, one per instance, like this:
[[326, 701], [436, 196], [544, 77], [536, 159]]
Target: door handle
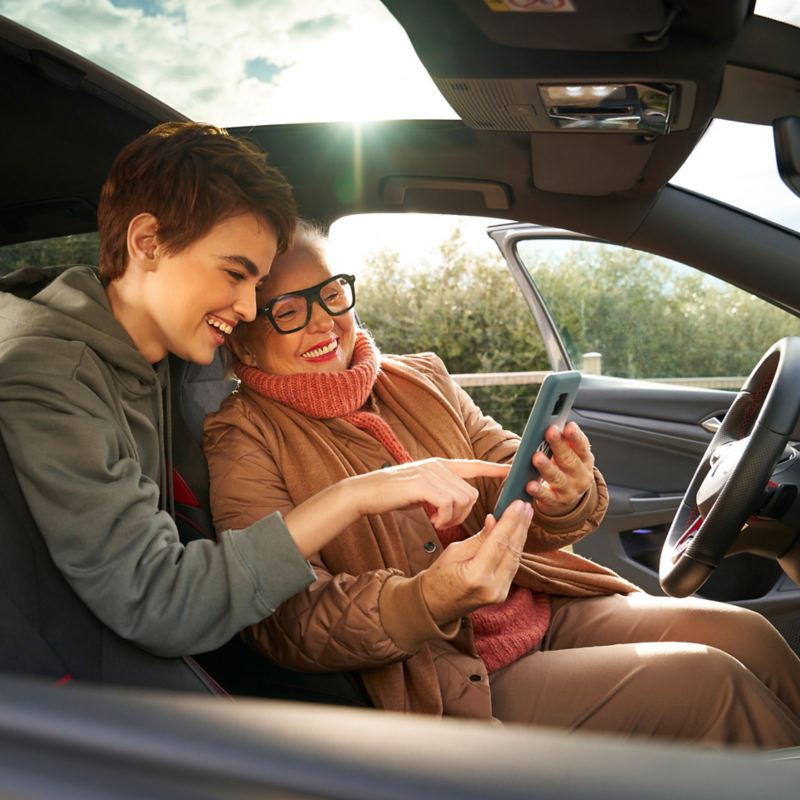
[[711, 424], [663, 502]]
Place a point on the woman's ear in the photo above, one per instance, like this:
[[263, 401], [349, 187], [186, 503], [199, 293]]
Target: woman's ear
[[240, 350], [143, 241]]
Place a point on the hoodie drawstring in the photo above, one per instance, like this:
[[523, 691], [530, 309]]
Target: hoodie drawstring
[[170, 487], [166, 500]]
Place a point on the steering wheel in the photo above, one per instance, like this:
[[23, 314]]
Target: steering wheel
[[730, 482]]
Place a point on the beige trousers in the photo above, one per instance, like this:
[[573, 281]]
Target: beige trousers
[[645, 666]]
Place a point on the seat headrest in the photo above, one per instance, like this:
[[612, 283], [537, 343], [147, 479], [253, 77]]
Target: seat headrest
[[200, 389]]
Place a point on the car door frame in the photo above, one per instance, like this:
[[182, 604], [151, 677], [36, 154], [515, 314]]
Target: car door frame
[[639, 511]]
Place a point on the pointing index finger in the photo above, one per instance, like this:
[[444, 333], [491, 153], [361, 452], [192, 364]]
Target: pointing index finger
[[473, 468]]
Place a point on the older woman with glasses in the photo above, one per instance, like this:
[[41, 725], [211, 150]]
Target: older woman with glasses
[[420, 604]]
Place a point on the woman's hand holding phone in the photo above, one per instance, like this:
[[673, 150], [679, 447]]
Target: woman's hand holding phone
[[566, 475], [557, 487]]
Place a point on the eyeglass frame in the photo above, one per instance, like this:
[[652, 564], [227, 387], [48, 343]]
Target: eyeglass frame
[[311, 294]]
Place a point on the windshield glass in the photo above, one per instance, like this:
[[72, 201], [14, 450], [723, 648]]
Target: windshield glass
[[782, 10], [735, 163]]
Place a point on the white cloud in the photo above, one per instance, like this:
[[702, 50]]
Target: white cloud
[[340, 59]]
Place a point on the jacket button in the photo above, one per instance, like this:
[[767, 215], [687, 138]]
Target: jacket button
[[475, 678], [429, 547]]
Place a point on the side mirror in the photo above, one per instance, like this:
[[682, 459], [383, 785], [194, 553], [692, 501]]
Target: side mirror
[[786, 131]]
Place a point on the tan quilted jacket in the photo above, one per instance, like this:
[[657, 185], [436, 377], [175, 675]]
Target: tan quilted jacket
[[369, 619]]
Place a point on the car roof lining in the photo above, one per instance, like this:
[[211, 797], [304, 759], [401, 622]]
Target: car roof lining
[[69, 120]]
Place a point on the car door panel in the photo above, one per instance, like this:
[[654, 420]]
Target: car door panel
[[648, 453], [647, 441]]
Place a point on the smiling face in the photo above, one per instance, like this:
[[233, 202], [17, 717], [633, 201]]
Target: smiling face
[[324, 345], [188, 302]]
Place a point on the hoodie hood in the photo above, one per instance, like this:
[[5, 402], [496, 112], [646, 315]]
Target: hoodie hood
[[40, 307], [71, 305]]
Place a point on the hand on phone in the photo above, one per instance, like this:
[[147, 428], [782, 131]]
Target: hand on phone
[[566, 474], [551, 410]]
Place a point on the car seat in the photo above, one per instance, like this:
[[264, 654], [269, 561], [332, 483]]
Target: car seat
[[45, 628], [196, 391]]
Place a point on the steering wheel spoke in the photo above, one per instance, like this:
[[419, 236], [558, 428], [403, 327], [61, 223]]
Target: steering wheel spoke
[[724, 460]]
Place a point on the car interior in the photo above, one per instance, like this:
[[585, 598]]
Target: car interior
[[533, 144]]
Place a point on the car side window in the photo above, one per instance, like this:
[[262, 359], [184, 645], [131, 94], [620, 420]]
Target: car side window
[[438, 283], [629, 314], [77, 249]]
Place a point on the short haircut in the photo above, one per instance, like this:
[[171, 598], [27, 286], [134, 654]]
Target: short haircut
[[189, 176], [310, 238]]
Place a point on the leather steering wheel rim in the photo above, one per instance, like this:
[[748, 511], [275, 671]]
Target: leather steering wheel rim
[[753, 434]]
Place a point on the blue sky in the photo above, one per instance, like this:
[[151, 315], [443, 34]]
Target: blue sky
[[149, 7]]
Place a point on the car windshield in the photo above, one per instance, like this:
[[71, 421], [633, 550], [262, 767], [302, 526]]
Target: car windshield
[[786, 11], [735, 161], [337, 60]]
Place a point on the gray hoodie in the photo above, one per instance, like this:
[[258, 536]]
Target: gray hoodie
[[81, 416]]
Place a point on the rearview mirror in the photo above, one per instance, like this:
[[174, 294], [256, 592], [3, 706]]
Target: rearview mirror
[[786, 131]]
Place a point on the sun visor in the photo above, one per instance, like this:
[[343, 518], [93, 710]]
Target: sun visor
[[600, 25]]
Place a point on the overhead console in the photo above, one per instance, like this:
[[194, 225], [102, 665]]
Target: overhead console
[[613, 94]]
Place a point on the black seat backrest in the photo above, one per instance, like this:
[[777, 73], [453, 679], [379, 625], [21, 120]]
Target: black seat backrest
[[196, 391], [46, 630]]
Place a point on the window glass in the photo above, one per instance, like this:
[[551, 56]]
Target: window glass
[[249, 63], [77, 249], [630, 314], [735, 162], [786, 11], [438, 283]]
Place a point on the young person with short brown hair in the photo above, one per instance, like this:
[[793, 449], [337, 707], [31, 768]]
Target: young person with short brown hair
[[190, 220]]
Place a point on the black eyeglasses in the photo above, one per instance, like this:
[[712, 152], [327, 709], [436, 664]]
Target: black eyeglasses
[[291, 312]]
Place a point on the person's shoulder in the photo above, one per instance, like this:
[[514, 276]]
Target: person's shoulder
[[33, 332], [239, 413], [19, 287], [234, 407], [39, 353], [427, 363]]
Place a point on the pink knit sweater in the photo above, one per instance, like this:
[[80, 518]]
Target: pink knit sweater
[[507, 631]]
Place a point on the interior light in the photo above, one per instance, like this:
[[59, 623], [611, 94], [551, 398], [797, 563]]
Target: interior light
[[610, 106]]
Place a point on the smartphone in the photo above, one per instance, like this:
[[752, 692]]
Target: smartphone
[[552, 407]]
